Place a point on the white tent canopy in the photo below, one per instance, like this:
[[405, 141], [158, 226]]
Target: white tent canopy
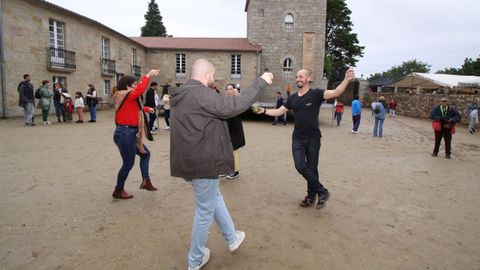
[[433, 81]]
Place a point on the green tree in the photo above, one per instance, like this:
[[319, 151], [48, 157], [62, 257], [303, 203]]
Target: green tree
[[153, 22], [397, 72], [341, 44], [469, 67]]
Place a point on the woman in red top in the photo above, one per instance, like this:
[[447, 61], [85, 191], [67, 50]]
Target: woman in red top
[[338, 111], [131, 128]]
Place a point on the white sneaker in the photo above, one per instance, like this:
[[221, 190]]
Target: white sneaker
[[49, 123], [206, 257], [167, 128], [240, 236]]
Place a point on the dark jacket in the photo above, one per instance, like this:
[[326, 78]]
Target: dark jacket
[[25, 93], [235, 129], [451, 117], [200, 145], [150, 98]]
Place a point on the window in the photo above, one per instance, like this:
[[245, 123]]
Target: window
[[288, 22], [62, 80], [287, 68], [57, 41], [106, 87], [134, 56], [105, 48], [236, 71], [180, 69]]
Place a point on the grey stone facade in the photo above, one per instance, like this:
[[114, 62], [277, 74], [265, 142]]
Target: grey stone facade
[[266, 26]]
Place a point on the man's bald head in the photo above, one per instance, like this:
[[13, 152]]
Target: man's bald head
[[203, 71], [303, 78]]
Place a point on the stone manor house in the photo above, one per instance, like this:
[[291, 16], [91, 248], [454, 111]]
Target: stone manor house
[[50, 42]]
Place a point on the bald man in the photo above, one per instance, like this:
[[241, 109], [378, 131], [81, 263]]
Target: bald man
[[201, 150], [306, 133]]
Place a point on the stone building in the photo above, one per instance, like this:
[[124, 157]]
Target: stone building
[[235, 59], [292, 36], [51, 42]]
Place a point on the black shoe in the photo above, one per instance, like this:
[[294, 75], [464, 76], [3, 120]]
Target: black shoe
[[273, 124], [322, 199], [233, 175], [308, 201], [434, 154], [471, 131], [447, 156]]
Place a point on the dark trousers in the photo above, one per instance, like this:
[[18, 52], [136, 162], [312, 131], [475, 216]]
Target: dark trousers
[[338, 117], [167, 117], [305, 155], [126, 140], [445, 133], [151, 120], [356, 121], [58, 109]]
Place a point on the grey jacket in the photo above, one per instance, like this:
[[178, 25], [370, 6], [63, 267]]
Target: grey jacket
[[200, 145]]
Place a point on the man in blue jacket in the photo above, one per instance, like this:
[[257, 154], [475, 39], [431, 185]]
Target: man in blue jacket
[[356, 114], [26, 100], [444, 119]]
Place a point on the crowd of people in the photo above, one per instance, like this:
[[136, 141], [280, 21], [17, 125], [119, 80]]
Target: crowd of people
[[62, 102]]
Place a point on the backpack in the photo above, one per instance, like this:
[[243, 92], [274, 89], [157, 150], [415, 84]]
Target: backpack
[[37, 94], [377, 108]]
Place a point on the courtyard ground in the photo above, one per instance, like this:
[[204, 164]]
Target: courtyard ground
[[393, 206]]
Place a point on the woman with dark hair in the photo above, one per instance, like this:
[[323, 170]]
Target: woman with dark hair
[[45, 101], [130, 130], [235, 129], [92, 102]]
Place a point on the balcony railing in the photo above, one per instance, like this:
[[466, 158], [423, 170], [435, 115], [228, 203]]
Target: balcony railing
[[136, 71], [59, 59], [235, 76], [108, 67], [180, 75]]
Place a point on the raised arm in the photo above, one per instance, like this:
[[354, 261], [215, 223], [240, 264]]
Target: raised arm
[[349, 76]]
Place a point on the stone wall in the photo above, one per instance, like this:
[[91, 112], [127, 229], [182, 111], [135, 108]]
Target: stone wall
[[265, 26], [420, 105]]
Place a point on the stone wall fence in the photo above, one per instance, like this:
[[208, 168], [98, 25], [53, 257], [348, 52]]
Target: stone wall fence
[[420, 105]]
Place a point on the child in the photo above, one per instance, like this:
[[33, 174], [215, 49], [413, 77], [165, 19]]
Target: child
[[68, 107], [79, 104]]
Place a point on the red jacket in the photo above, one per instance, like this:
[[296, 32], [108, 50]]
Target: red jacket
[[128, 113]]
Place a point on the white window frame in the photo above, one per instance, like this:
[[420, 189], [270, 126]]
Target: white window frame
[[107, 86], [180, 66], [288, 67], [289, 22], [57, 40], [236, 67], [134, 57], [106, 48]]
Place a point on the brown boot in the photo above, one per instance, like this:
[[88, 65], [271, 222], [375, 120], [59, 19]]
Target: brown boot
[[147, 184], [121, 194]]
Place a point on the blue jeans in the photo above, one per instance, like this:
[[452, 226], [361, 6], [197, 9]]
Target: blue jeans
[[356, 121], [93, 111], [126, 140], [305, 155], [209, 205], [378, 126], [29, 108]]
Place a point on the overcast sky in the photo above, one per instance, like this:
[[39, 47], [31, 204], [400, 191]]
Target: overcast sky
[[441, 33]]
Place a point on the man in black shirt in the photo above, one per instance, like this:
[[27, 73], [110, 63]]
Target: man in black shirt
[[306, 133], [150, 102]]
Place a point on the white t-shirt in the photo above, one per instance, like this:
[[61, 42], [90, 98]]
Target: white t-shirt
[[79, 103]]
